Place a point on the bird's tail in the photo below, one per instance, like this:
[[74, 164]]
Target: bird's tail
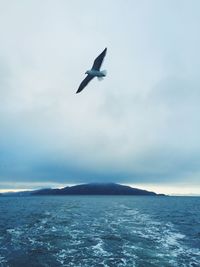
[[104, 72]]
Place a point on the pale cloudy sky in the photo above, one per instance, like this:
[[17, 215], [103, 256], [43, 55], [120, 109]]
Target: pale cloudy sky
[[140, 126]]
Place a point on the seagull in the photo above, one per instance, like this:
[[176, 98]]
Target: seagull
[[94, 72]]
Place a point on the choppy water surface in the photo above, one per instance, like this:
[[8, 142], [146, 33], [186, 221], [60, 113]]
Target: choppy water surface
[[99, 231]]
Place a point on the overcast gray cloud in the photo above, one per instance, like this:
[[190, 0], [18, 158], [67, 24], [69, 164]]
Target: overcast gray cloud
[[140, 125]]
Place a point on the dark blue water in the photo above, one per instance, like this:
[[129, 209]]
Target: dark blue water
[[99, 231]]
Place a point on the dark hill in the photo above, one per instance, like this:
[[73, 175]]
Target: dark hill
[[96, 189]]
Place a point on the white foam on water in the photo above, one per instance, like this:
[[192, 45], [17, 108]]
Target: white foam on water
[[61, 256], [54, 229], [161, 239], [137, 236], [33, 242], [99, 250], [44, 221], [3, 260], [77, 242], [15, 232]]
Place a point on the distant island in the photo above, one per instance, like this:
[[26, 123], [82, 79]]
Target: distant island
[[97, 189], [87, 189]]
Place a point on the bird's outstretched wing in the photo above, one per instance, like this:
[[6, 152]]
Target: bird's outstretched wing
[[84, 83], [98, 61]]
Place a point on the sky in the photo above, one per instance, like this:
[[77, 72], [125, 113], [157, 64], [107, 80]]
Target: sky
[[139, 126]]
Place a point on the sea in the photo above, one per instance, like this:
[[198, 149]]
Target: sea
[[100, 231]]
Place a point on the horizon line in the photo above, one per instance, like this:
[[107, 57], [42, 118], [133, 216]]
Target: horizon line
[[151, 188]]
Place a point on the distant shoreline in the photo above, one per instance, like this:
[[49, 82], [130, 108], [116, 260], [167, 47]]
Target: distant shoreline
[[93, 189]]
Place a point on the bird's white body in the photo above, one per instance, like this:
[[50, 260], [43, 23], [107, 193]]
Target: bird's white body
[[96, 73]]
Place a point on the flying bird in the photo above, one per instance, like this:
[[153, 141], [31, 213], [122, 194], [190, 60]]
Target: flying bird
[[94, 72]]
